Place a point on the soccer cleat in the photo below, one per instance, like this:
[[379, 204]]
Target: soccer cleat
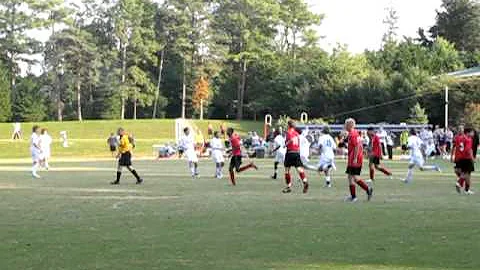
[[369, 193], [287, 190], [469, 192], [351, 199], [115, 183], [254, 166], [438, 169], [274, 177], [35, 175], [458, 188], [328, 185], [405, 181], [139, 181], [305, 187]]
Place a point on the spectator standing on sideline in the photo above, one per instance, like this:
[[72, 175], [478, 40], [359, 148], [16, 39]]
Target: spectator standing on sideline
[[404, 141], [382, 134], [17, 131], [112, 142], [390, 144]]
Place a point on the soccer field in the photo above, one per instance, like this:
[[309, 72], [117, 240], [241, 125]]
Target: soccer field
[[73, 219]]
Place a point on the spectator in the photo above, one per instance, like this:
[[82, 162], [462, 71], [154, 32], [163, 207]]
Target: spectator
[[404, 141], [390, 145], [17, 131]]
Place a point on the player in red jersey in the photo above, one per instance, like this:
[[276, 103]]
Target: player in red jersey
[[236, 159], [355, 161], [375, 154], [463, 158], [292, 158]]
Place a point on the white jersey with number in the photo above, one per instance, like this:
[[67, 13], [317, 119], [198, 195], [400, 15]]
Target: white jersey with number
[[188, 145], [415, 145], [304, 146], [327, 155], [217, 147]]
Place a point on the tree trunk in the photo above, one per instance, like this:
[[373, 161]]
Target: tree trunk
[[184, 89], [294, 50], [157, 93], [135, 104], [241, 89], [124, 71], [79, 101], [201, 109]]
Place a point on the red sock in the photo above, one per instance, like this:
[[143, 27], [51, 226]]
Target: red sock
[[288, 179], [353, 191], [362, 184], [385, 171], [302, 175], [372, 173], [461, 182], [232, 178], [246, 167]]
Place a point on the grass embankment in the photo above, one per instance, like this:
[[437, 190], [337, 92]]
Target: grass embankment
[[88, 138]]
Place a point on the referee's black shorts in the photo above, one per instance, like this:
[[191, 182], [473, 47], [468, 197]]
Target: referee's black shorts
[[125, 159]]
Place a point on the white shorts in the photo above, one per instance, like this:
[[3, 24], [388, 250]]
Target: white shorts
[[46, 153], [326, 163], [36, 155], [217, 156], [417, 161], [191, 155], [279, 157]]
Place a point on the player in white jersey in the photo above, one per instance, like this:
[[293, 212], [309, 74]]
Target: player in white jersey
[[45, 143], [415, 145], [327, 147], [187, 143], [279, 149], [35, 150], [218, 148], [305, 142]]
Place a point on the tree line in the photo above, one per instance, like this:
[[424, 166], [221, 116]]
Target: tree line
[[129, 59]]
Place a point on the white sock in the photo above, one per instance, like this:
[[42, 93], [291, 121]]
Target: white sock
[[34, 168], [192, 168], [429, 168], [327, 179], [409, 175]]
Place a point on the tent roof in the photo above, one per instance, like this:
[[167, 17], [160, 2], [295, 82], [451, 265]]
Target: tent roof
[[470, 72]]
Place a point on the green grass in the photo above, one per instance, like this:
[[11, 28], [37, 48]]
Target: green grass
[[72, 219], [88, 138]]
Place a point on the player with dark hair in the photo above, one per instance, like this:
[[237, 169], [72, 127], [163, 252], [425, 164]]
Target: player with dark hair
[[125, 157], [292, 158], [463, 158], [355, 161], [236, 159], [375, 154]]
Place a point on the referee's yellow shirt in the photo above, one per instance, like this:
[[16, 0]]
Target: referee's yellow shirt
[[124, 145]]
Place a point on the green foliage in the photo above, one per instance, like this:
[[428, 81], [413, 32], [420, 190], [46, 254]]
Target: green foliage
[[459, 22], [5, 96], [417, 115], [29, 101]]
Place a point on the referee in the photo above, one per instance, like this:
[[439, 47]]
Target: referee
[[125, 157]]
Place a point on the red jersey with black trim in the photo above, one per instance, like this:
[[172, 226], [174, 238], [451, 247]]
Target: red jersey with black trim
[[463, 147], [355, 141], [236, 144], [376, 149], [292, 140]]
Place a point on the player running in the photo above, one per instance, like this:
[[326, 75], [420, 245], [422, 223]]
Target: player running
[[374, 155], [187, 143], [292, 158], [218, 147], [355, 162], [305, 143], [279, 150], [125, 157], [463, 158], [236, 159], [35, 150], [415, 145], [326, 147]]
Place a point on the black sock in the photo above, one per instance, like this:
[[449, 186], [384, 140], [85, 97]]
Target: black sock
[[118, 176], [135, 174]]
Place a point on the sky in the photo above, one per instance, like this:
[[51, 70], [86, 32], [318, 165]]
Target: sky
[[358, 23]]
